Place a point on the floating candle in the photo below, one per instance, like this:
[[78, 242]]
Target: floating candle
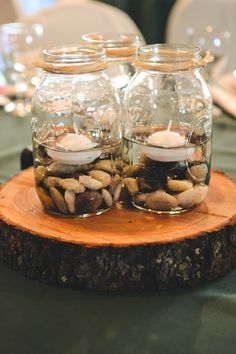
[[76, 142], [76, 149], [166, 142], [166, 138]]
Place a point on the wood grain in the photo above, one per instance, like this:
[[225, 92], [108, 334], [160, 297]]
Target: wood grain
[[119, 235]]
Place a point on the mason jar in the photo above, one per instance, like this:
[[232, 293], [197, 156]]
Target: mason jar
[[167, 129], [120, 49], [76, 129]]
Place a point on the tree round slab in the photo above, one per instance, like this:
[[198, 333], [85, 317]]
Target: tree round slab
[[123, 249]]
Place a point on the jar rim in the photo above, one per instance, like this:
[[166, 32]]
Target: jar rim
[[170, 57], [73, 59], [74, 54], [116, 44]]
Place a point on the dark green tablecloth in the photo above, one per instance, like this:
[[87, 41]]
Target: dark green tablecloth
[[38, 319]]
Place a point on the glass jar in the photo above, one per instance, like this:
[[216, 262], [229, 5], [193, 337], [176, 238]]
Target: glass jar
[[77, 142], [167, 130], [120, 49]]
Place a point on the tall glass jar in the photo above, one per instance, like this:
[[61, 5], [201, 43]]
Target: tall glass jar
[[76, 133], [167, 130], [120, 49]]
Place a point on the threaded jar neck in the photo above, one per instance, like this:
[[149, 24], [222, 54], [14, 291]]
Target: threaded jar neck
[[73, 59], [170, 57], [117, 45]]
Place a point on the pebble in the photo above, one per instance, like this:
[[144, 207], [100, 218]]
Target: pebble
[[70, 201], [88, 202], [58, 200], [117, 192], [107, 198], [103, 177], [52, 181], [107, 166], [198, 172], [45, 199], [40, 173], [57, 168], [90, 183], [72, 184], [160, 201], [133, 170], [132, 185], [140, 198], [175, 185], [192, 197]]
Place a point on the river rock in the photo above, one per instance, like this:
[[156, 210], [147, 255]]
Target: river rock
[[103, 177], [45, 198], [175, 185], [70, 200], [160, 200], [132, 185], [58, 199], [198, 172], [40, 173], [88, 202], [107, 198], [90, 183], [192, 197], [72, 184]]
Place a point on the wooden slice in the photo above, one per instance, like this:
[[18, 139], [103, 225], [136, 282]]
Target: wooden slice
[[123, 249]]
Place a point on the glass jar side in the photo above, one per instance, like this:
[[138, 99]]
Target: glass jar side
[[167, 139], [77, 148], [121, 49]]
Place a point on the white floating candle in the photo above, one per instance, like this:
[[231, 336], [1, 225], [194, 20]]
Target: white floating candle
[[72, 143], [165, 142]]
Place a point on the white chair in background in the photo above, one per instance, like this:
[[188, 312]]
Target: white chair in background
[[189, 18], [66, 21]]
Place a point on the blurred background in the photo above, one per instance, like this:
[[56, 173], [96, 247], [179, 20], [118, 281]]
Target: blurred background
[[149, 15], [209, 24]]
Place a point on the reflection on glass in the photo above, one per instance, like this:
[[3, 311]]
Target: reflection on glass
[[20, 44]]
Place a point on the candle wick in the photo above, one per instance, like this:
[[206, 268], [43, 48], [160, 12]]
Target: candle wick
[[169, 125], [75, 128]]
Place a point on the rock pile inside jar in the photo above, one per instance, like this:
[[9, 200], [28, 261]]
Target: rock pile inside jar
[[78, 189], [165, 186]]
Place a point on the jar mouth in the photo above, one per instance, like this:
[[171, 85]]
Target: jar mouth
[[77, 59], [112, 39], [115, 44], [169, 57], [19, 28], [74, 54]]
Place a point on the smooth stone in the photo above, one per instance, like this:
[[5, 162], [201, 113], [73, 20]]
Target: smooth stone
[[40, 173], [192, 197], [107, 198], [72, 184], [90, 183], [45, 199], [57, 168], [52, 181], [58, 199], [198, 172], [132, 185], [160, 200], [140, 198], [117, 192], [133, 170], [88, 202], [107, 166], [103, 177], [70, 201], [175, 185]]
